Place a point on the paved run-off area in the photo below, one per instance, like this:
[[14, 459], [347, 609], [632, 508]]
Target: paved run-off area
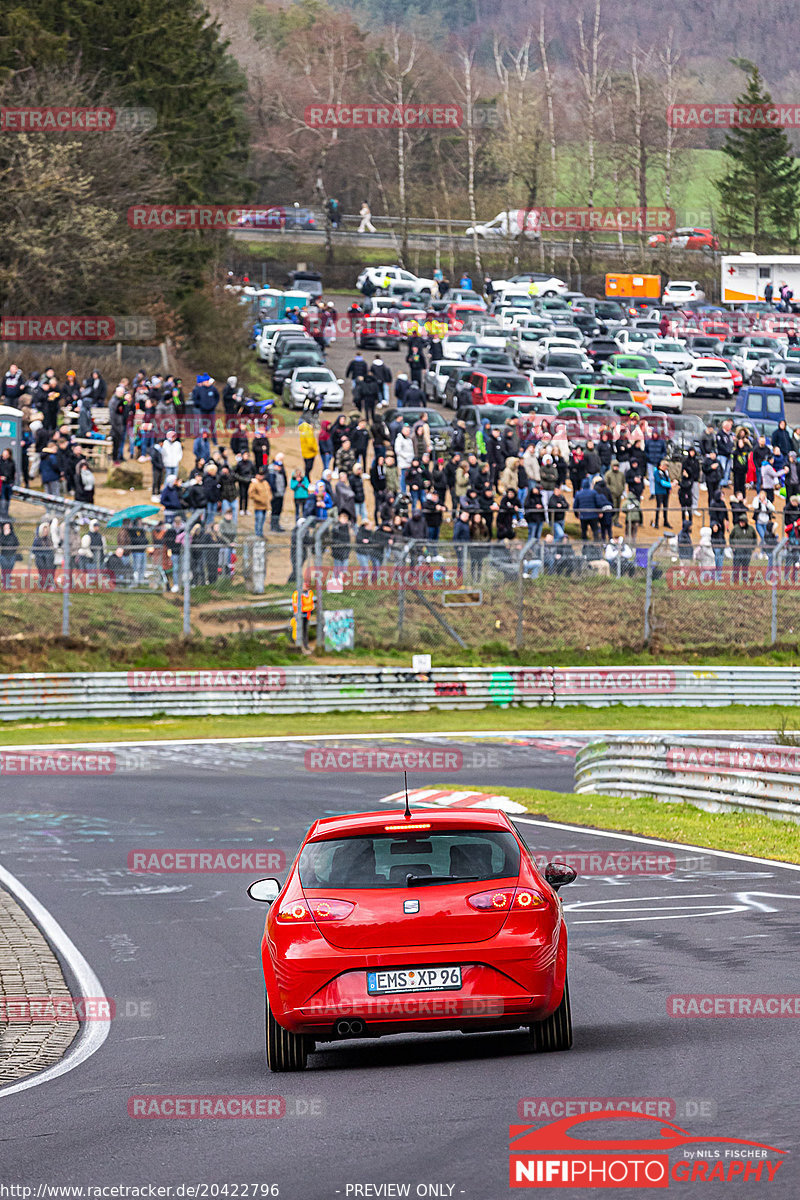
[[29, 972]]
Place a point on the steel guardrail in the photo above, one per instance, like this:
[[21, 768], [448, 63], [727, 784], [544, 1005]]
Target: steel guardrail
[[374, 689], [716, 774]]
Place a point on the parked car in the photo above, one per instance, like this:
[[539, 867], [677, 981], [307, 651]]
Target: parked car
[[682, 291], [285, 365], [551, 385], [437, 376], [456, 344], [306, 281], [670, 354], [531, 283], [320, 380], [706, 376], [628, 364], [686, 238], [382, 277], [378, 333], [440, 435], [785, 375], [662, 391], [493, 387], [686, 430]]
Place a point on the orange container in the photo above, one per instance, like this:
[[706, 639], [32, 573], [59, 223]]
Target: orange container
[[634, 287]]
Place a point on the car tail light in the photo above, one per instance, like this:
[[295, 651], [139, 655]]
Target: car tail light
[[503, 899], [408, 828], [296, 912]]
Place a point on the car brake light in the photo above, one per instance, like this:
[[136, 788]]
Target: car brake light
[[502, 899], [407, 828], [298, 911]]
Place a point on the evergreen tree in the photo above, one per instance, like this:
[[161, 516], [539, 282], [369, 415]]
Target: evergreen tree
[[760, 188], [168, 57]]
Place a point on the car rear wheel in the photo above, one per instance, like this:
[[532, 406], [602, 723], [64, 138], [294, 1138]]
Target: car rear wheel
[[285, 1051], [555, 1032]]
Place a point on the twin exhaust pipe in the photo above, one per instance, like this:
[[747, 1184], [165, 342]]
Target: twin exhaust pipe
[[352, 1028]]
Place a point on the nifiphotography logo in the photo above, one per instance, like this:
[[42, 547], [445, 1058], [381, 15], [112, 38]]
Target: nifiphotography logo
[[564, 1154]]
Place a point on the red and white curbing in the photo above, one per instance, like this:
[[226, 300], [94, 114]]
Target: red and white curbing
[[449, 798]]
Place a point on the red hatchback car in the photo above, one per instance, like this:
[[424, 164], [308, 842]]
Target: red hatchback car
[[413, 922]]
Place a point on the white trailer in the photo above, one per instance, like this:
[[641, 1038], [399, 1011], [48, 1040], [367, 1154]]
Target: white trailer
[[744, 276]]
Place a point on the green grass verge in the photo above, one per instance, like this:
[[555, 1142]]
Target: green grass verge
[[741, 833], [576, 717]]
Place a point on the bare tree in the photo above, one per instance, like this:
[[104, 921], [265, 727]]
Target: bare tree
[[551, 125], [401, 62], [593, 81], [669, 59], [469, 93]]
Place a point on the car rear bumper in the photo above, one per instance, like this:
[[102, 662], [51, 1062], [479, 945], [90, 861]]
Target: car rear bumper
[[487, 999], [506, 982]]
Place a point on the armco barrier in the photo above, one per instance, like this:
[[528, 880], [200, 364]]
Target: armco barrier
[[716, 775], [363, 689]]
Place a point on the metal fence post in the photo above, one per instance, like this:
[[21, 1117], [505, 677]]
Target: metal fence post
[[66, 583], [319, 581], [186, 572], [401, 592], [297, 544], [648, 591], [520, 593], [777, 568]]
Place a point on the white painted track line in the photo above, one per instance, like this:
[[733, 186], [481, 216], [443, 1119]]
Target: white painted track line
[[91, 1034]]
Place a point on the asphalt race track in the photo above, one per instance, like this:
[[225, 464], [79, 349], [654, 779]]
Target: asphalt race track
[[413, 1110]]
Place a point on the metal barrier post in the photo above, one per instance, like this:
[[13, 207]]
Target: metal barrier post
[[186, 571], [520, 593], [66, 583], [319, 581], [648, 591], [401, 592], [297, 544]]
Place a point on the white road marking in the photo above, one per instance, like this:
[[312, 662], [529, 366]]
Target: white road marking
[[92, 1034], [648, 841]]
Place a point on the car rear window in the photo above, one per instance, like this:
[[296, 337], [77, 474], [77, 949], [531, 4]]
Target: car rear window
[[386, 860], [507, 385]]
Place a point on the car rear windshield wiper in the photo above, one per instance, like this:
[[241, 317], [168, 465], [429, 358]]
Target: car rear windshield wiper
[[421, 880]]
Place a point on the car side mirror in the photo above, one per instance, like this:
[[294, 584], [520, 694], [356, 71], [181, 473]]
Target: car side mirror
[[341, 381], [264, 890], [558, 875]]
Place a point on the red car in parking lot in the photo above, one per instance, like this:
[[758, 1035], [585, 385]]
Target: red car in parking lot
[[418, 921], [687, 238]]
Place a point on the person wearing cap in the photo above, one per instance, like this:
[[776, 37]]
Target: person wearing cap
[[13, 386], [230, 395], [205, 399], [171, 499]]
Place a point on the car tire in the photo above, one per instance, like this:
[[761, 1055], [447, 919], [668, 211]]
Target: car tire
[[285, 1051], [555, 1032], [550, 293]]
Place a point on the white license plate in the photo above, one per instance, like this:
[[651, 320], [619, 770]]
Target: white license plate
[[414, 979]]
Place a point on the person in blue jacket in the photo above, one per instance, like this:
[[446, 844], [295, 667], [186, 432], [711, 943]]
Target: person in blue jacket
[[586, 506]]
